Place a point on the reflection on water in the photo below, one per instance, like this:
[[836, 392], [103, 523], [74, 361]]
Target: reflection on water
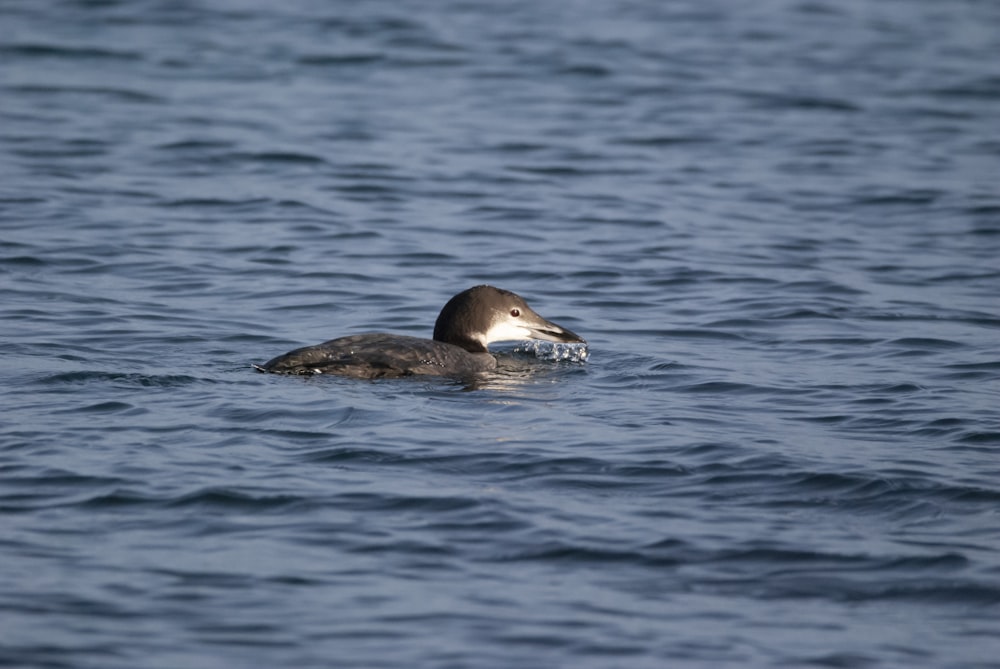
[[524, 365]]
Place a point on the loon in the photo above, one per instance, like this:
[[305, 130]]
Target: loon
[[467, 324]]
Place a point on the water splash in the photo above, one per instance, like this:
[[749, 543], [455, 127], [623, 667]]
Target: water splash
[[545, 350]]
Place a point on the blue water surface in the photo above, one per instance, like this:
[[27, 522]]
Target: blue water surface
[[776, 223]]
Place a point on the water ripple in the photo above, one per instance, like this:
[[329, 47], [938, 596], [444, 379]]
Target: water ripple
[[785, 417]]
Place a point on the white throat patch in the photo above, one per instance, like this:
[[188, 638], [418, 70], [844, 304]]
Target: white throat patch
[[507, 331]]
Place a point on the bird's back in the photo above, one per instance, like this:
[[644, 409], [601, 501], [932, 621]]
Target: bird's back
[[381, 355]]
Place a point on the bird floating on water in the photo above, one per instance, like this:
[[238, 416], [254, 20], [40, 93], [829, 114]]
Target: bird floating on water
[[467, 324]]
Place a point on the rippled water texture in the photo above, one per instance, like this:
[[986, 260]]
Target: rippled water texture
[[776, 223]]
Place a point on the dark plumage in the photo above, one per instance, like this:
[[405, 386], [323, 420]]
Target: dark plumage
[[467, 324]]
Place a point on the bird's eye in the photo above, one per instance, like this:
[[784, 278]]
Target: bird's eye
[[515, 312]]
